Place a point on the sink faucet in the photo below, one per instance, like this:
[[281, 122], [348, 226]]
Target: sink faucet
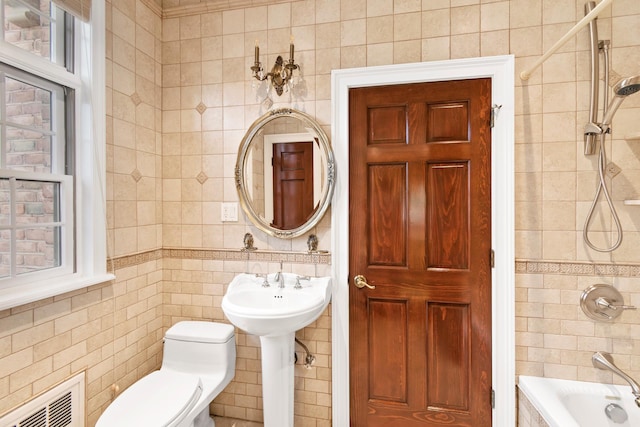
[[603, 360], [279, 278]]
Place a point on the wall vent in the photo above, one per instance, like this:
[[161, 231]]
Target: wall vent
[[62, 406]]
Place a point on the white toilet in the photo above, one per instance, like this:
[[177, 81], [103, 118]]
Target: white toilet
[[199, 361]]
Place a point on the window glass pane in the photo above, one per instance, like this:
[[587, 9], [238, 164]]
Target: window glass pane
[[28, 132], [5, 203], [30, 241], [27, 105], [28, 150], [36, 249], [37, 202], [35, 26], [37, 244]]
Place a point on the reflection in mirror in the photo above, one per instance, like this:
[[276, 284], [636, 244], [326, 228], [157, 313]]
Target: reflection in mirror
[[285, 173]]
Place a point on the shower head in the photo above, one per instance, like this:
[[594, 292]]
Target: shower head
[[622, 89], [627, 86]]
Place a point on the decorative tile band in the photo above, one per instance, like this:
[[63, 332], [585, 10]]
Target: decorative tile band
[[521, 266], [218, 255], [577, 268], [133, 260], [241, 255]]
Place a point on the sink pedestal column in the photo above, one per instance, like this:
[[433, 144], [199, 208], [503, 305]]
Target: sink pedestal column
[[277, 379]]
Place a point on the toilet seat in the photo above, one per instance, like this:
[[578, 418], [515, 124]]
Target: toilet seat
[[161, 399]]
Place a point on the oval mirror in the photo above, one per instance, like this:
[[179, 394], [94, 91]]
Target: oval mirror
[[285, 173]]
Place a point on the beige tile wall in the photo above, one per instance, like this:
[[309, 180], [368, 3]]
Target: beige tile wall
[[555, 184], [528, 415], [112, 331], [556, 339], [180, 97], [134, 139]]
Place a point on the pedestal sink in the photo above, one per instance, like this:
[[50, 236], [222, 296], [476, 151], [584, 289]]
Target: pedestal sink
[[275, 313]]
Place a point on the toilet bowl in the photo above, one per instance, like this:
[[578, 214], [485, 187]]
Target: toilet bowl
[[198, 362]]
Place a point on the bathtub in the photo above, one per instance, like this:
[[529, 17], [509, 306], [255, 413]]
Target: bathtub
[[564, 403]]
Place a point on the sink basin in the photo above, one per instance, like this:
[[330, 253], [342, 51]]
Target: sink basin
[[275, 314], [272, 310]]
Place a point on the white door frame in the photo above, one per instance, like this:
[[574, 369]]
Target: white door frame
[[501, 70]]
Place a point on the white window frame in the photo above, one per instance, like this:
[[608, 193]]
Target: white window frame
[[88, 83], [65, 223]]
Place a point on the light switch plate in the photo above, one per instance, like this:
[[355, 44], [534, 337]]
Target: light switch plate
[[229, 212]]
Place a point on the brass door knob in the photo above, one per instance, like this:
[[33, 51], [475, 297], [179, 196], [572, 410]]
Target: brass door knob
[[361, 282]]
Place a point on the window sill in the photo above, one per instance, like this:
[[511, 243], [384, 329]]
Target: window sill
[[20, 295]]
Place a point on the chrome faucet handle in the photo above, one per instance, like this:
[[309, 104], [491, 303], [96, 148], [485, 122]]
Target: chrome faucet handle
[[603, 314], [298, 278], [603, 302], [265, 282]]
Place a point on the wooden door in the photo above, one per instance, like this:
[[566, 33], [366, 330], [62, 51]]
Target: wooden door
[[292, 184], [420, 233]]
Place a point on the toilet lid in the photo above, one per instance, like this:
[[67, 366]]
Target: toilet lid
[[200, 331], [161, 399]]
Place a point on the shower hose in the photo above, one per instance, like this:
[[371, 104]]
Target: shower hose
[[602, 188], [602, 183]]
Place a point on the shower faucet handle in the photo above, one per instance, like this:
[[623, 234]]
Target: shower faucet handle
[[603, 302], [603, 314]]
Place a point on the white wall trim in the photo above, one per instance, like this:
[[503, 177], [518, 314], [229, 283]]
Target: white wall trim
[[501, 70]]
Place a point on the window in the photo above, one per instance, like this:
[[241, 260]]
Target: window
[[36, 26], [52, 208], [36, 197]]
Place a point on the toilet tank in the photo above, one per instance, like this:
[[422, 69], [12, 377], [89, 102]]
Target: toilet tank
[[199, 347]]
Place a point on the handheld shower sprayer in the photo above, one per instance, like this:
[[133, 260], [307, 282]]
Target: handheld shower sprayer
[[595, 132], [622, 89]]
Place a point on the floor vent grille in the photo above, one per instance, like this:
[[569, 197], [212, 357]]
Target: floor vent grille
[[62, 406]]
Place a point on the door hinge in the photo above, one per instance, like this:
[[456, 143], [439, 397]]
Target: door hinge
[[495, 108], [492, 258], [493, 399]]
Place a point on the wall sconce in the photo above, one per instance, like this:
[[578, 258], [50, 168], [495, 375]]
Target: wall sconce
[[280, 74]]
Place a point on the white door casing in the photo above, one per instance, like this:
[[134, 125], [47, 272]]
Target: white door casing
[[501, 71]]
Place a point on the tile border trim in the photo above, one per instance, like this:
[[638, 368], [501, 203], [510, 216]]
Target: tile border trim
[[133, 260], [577, 268], [217, 255], [521, 266]]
